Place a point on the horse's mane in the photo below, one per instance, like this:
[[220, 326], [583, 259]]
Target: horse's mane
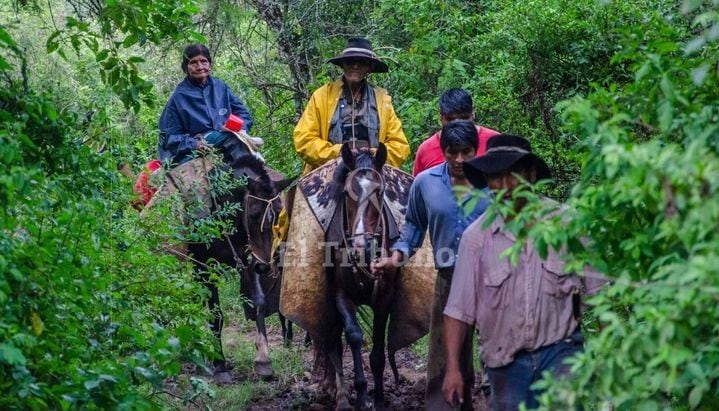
[[255, 166], [363, 159]]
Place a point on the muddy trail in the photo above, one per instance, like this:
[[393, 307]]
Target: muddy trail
[[305, 394], [301, 391]]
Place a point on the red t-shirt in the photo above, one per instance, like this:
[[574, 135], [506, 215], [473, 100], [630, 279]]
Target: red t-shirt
[[430, 152]]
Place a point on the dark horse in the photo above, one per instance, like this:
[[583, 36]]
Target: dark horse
[[249, 249], [357, 234]]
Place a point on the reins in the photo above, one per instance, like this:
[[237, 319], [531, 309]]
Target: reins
[[268, 210], [239, 263]]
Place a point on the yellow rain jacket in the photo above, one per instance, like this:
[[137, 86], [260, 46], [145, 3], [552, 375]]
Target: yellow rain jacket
[[312, 136], [312, 131]]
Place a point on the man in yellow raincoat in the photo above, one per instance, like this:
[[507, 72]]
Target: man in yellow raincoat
[[349, 109]]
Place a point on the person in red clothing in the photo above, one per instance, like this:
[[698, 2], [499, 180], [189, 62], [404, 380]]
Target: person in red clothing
[[142, 187], [454, 104]]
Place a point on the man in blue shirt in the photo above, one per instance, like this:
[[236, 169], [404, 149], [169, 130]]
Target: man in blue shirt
[[437, 200], [194, 117]]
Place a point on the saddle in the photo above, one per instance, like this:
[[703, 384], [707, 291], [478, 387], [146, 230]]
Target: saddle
[[317, 189], [303, 297], [191, 179]]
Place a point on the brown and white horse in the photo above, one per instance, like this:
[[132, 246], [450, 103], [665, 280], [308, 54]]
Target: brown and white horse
[[357, 234]]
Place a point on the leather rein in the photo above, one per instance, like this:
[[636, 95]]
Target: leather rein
[[249, 249]]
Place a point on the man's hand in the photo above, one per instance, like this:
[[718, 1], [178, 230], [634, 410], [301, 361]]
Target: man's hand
[[453, 387], [385, 264], [203, 146]]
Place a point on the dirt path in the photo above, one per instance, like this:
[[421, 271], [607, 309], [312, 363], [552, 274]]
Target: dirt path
[[302, 393]]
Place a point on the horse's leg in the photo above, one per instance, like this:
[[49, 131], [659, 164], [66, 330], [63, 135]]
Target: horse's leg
[[342, 397], [221, 374], [377, 356], [263, 365], [353, 335], [286, 330]]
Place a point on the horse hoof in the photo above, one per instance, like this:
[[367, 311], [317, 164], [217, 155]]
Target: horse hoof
[[264, 370], [222, 378]]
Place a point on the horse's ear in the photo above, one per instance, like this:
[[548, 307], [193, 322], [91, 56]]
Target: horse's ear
[[283, 184], [380, 157], [347, 156]]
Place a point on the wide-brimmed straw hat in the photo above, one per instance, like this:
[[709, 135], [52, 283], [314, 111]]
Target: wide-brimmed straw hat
[[503, 152], [360, 48]]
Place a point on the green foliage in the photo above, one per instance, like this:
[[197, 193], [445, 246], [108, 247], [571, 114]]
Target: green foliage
[[92, 317], [118, 26], [648, 201]]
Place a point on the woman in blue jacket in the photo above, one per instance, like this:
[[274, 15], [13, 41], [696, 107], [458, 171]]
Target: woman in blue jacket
[[194, 117]]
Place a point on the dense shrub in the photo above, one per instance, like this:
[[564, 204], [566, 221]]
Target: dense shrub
[[91, 316]]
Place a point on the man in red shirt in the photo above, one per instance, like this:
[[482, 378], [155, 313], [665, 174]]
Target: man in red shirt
[[454, 104]]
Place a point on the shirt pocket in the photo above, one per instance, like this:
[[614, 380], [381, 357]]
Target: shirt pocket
[[496, 284], [555, 281]]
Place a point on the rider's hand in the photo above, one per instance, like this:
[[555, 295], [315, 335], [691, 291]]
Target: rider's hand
[[452, 387], [385, 264], [203, 146]]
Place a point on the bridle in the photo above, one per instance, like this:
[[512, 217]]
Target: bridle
[[268, 211], [374, 241], [250, 248]]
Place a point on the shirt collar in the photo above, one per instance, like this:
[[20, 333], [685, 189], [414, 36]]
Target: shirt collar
[[442, 171], [498, 227], [439, 170], [193, 84]]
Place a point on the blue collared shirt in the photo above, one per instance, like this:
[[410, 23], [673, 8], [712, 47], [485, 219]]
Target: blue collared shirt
[[434, 206], [194, 109]]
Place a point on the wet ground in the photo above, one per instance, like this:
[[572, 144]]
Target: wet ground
[[408, 395], [305, 395], [299, 391]]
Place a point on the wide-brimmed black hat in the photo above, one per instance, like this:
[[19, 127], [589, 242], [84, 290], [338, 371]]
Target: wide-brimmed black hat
[[360, 48], [503, 152]]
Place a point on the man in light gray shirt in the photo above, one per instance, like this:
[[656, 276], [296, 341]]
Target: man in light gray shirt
[[526, 314]]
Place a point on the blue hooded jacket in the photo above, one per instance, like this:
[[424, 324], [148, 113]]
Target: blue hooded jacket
[[196, 109]]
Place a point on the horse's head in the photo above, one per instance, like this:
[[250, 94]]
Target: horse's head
[[363, 196], [261, 206]]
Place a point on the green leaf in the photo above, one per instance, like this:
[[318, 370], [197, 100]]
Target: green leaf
[[695, 396], [52, 44], [699, 74], [694, 45], [666, 47], [102, 55], [91, 384], [6, 38], [11, 355]]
